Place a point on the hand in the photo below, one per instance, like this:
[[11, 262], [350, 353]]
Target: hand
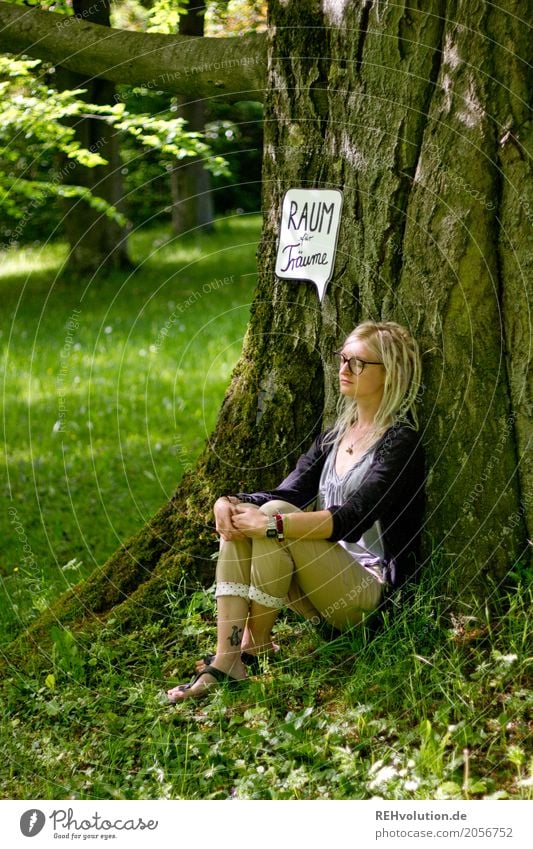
[[224, 511], [250, 521]]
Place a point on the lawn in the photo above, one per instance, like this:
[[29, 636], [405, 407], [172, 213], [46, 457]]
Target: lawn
[[110, 389]]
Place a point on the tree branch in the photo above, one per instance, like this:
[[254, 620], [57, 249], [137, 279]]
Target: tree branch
[[230, 68]]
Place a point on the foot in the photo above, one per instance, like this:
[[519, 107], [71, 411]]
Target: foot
[[209, 677], [249, 656]]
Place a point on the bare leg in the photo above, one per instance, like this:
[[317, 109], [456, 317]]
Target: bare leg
[[257, 636], [231, 619]]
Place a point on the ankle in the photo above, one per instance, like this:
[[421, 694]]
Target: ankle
[[231, 664]]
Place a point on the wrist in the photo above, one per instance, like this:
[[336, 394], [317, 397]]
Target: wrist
[[274, 528], [271, 528]]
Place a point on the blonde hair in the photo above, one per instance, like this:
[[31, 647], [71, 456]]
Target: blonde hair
[[393, 345]]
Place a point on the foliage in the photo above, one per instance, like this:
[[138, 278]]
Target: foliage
[[222, 17], [164, 16], [235, 17], [35, 138], [32, 126]]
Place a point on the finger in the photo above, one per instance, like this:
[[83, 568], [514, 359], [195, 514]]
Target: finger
[[231, 534]]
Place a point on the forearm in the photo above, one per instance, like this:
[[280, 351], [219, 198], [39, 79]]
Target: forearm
[[315, 525]]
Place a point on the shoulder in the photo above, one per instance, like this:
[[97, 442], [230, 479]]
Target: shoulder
[[325, 441], [400, 439]]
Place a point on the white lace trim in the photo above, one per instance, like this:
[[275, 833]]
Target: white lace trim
[[266, 600], [231, 588]]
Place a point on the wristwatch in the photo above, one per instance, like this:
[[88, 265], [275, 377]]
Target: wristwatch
[[272, 529]]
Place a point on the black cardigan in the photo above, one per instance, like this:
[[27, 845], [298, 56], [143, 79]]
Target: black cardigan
[[391, 491]]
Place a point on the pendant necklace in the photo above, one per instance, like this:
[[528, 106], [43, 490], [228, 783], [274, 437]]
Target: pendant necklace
[[350, 448]]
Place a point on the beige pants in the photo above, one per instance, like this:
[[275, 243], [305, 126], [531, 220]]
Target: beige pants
[[316, 578]]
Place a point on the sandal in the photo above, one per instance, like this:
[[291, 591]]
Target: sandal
[[249, 660], [219, 676]]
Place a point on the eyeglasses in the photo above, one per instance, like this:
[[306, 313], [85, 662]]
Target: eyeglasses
[[355, 364]]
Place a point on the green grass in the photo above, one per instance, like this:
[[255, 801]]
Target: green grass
[[419, 711], [110, 389]]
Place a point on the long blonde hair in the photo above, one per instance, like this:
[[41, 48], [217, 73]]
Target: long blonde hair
[[393, 345]]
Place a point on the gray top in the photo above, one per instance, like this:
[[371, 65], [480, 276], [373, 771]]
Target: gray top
[[334, 490]]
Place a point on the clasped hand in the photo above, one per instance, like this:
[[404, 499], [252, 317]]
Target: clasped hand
[[238, 521]]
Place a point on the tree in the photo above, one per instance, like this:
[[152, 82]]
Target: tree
[[420, 117], [97, 244], [192, 200]]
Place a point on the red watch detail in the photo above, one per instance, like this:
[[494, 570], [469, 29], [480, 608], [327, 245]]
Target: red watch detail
[[279, 525]]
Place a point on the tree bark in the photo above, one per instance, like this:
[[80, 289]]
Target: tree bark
[[192, 199], [97, 243], [229, 68], [420, 118]]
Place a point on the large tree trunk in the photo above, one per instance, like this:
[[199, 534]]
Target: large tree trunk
[[192, 199], [420, 119], [97, 243]]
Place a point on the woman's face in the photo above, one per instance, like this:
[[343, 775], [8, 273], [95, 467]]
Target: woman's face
[[366, 386]]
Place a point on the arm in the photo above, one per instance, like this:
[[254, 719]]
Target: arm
[[253, 523], [300, 486]]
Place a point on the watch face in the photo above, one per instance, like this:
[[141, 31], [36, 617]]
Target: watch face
[[272, 532]]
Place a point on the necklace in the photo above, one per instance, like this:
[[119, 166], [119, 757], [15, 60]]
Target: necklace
[[365, 435]]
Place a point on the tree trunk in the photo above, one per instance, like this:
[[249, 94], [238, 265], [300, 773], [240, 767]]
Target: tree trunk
[[420, 119], [192, 199], [97, 243]]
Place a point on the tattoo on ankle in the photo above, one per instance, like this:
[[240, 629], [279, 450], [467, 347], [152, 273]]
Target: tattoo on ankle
[[236, 636]]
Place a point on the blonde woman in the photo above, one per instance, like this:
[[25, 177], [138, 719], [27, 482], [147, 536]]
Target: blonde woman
[[364, 479]]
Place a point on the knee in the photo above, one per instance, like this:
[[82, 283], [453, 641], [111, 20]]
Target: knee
[[278, 506]]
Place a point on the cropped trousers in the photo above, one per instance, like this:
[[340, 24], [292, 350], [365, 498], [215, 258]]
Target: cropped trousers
[[316, 578]]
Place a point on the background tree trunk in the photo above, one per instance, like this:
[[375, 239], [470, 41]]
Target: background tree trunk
[[420, 118], [192, 199], [97, 243]]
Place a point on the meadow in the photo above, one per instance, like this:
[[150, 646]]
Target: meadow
[[110, 389]]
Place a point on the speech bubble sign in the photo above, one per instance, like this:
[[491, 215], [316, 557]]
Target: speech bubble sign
[[310, 221]]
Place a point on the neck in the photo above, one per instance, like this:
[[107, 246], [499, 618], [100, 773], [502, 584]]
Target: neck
[[366, 417]]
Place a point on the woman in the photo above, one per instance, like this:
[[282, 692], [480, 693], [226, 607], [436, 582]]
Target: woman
[[365, 480]]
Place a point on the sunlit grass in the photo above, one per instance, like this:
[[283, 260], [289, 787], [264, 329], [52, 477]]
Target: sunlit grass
[[110, 390]]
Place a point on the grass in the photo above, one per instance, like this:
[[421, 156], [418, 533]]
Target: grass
[[419, 711], [110, 389]]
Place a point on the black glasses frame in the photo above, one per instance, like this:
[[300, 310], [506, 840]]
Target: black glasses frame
[[355, 364]]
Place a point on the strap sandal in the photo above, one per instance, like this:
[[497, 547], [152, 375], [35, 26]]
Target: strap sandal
[[219, 676], [249, 660]]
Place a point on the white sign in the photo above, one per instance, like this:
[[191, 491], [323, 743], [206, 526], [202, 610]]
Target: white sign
[[310, 222]]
